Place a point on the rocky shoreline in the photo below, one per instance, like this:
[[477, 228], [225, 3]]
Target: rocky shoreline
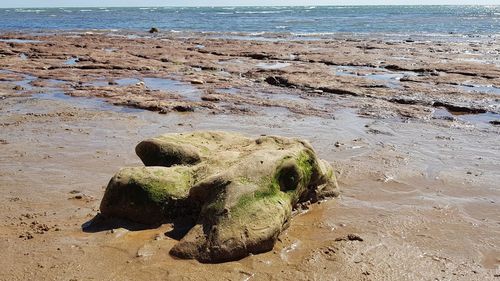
[[162, 73], [410, 127]]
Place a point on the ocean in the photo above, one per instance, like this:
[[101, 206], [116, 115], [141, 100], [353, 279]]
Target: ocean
[[468, 21]]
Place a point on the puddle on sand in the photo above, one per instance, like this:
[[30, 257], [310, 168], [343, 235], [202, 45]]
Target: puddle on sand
[[481, 61], [25, 83], [344, 70], [390, 78], [231, 91], [481, 119], [482, 89], [282, 97], [55, 94], [272, 66], [187, 90], [230, 61], [20, 41], [88, 103], [286, 252], [98, 83], [71, 61], [126, 81], [401, 58], [110, 50]]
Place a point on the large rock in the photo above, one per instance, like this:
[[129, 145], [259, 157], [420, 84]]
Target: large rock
[[239, 192]]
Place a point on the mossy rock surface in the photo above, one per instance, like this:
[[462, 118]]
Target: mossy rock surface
[[240, 191]]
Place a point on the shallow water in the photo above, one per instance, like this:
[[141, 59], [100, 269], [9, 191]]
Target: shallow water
[[110, 50], [228, 90], [20, 40], [188, 91], [438, 21], [272, 66], [86, 103], [480, 120], [25, 83], [487, 89], [389, 78], [98, 83], [71, 61], [127, 81]]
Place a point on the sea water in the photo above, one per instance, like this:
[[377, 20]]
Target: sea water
[[454, 21]]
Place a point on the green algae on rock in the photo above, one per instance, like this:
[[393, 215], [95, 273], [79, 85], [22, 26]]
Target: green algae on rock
[[238, 192]]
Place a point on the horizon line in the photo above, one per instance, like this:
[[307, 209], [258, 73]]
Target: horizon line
[[242, 6]]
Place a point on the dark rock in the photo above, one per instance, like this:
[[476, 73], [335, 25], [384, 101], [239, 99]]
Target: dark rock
[[458, 109], [183, 108], [354, 237], [278, 81]]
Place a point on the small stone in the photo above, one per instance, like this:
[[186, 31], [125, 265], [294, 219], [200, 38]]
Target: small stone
[[154, 30], [350, 237], [26, 236], [183, 108]]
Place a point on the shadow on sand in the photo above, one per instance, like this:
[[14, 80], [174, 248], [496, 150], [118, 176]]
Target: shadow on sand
[[100, 223]]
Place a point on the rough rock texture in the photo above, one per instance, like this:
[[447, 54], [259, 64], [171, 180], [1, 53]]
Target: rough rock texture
[[239, 192]]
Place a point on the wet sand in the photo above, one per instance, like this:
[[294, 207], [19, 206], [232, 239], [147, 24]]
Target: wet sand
[[417, 158]]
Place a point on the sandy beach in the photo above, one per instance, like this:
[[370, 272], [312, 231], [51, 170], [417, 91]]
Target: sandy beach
[[411, 128]]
